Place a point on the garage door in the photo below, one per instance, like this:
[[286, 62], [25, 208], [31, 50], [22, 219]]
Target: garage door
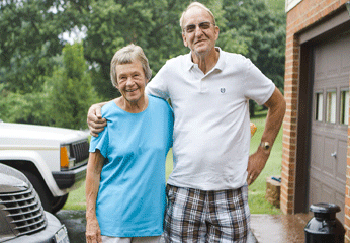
[[330, 122]]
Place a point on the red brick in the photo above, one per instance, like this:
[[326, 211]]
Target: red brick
[[304, 14]]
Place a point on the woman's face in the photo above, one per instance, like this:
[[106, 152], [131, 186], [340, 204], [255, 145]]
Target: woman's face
[[131, 81]]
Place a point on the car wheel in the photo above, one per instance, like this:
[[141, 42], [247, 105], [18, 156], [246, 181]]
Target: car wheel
[[43, 191], [59, 203]]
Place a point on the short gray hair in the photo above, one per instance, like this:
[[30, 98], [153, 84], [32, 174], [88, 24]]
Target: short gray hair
[[128, 55], [195, 4]]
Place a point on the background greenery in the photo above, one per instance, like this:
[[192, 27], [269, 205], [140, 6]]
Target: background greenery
[[47, 81], [257, 203]]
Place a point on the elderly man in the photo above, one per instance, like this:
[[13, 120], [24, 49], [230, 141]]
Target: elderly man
[[210, 91]]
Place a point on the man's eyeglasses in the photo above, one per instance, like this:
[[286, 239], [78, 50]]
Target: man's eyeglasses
[[202, 25]]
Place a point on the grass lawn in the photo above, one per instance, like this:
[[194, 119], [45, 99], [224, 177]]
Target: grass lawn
[[257, 202]]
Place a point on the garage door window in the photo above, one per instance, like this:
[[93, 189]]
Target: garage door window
[[319, 106], [331, 107], [344, 113]]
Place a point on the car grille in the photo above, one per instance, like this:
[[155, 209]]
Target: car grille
[[80, 151], [23, 211]]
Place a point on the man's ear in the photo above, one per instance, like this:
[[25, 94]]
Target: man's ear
[[217, 31], [184, 39]]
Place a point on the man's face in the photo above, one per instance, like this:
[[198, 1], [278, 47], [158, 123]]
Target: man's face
[[131, 81], [200, 39]]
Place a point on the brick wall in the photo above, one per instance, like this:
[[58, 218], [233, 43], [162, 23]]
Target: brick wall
[[304, 14]]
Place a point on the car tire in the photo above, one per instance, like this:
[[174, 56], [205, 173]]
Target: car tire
[[43, 191], [59, 203]]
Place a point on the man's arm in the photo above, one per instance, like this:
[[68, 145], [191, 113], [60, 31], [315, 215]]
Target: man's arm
[[94, 119], [276, 109], [93, 171]]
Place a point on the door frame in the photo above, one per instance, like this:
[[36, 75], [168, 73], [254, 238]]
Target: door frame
[[334, 24]]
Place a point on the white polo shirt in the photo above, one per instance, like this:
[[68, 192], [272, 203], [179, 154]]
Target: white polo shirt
[[211, 130]]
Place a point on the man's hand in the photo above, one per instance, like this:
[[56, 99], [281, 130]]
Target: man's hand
[[256, 164], [94, 120], [93, 232], [277, 106]]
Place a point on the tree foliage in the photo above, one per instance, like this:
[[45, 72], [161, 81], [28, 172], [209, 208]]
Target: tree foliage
[[264, 32], [35, 72], [153, 25], [63, 99], [28, 40], [70, 91]]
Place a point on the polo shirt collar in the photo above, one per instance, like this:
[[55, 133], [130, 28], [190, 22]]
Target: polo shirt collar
[[220, 65]]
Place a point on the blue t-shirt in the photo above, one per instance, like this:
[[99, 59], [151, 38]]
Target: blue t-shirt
[[131, 196]]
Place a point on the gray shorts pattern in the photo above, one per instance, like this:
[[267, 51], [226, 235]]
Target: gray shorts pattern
[[200, 216]]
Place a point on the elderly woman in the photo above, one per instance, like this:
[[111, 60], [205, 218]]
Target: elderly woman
[[125, 181]]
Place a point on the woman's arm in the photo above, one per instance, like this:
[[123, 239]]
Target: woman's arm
[[93, 171]]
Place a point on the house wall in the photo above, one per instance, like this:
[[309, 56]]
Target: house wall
[[304, 14]]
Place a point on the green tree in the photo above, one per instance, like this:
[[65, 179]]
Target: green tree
[[29, 39], [31, 47], [154, 25], [25, 32], [70, 91], [63, 99], [263, 31], [26, 108], [112, 24]]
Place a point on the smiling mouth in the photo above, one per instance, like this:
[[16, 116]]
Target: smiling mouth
[[131, 90], [199, 41]]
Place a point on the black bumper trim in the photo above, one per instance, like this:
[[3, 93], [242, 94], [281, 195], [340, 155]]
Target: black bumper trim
[[66, 179]]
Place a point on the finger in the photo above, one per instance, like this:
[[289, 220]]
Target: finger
[[95, 117], [92, 119], [97, 120], [250, 179], [90, 238], [97, 124], [94, 132], [98, 112], [100, 122], [96, 128], [99, 238]]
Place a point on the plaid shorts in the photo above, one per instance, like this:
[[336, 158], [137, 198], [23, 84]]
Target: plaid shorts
[[200, 216]]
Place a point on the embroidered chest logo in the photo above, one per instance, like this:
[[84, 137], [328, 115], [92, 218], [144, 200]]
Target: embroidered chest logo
[[223, 90]]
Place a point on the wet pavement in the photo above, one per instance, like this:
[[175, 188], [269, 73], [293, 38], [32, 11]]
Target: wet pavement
[[279, 228], [264, 228], [76, 224]]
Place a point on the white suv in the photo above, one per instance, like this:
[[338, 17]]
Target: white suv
[[53, 159]]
